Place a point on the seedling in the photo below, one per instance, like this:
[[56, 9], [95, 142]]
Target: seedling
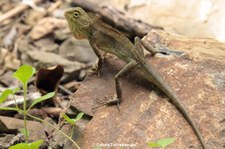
[[73, 121], [33, 145], [23, 74], [161, 143]]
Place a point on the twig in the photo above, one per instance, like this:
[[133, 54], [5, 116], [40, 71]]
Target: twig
[[16, 10], [54, 6], [65, 90]]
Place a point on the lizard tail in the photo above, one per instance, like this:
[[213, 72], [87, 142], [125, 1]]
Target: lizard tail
[[161, 83]]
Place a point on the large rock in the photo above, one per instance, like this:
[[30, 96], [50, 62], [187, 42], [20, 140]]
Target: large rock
[[198, 78]]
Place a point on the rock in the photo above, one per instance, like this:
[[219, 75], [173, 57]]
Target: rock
[[195, 19], [35, 129], [61, 34], [34, 15], [197, 76], [77, 135], [9, 59], [7, 78], [79, 50], [47, 59], [46, 26], [7, 140], [52, 46]]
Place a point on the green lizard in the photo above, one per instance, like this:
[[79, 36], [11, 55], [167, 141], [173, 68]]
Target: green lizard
[[103, 37]]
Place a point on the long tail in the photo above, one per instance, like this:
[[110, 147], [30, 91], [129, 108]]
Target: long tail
[[161, 83]]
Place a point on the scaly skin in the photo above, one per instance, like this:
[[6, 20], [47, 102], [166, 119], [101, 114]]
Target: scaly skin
[[103, 37]]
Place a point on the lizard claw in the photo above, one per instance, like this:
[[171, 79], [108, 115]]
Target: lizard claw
[[97, 70], [114, 101], [98, 66]]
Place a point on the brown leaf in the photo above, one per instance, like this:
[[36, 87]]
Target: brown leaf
[[47, 80]]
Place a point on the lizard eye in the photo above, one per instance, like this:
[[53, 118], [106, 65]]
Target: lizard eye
[[76, 14]]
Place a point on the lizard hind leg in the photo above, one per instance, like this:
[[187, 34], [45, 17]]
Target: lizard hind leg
[[148, 47], [117, 99], [101, 58], [152, 49]]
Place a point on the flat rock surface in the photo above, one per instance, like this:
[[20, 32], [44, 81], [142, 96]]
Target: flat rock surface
[[13, 124], [197, 77]]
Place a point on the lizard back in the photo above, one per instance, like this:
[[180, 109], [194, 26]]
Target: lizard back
[[109, 39]]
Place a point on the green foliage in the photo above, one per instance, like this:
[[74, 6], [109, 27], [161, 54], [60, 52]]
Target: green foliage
[[162, 142], [40, 99], [153, 144], [33, 145], [11, 109], [73, 121], [6, 93], [97, 148], [69, 120], [24, 73]]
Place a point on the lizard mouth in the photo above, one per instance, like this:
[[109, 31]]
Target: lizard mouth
[[68, 17], [66, 14]]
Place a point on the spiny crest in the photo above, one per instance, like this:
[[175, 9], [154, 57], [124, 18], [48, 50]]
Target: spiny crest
[[97, 18]]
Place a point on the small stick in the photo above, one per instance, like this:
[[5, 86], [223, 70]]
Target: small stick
[[16, 10], [54, 6]]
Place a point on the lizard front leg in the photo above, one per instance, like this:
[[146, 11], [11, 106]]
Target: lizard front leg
[[100, 57], [117, 99]]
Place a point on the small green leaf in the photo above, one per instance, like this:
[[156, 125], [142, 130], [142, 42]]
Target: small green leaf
[[69, 120], [24, 73], [19, 146], [79, 116], [97, 148], [153, 144], [45, 97], [10, 109], [5, 94], [33, 145], [73, 121], [165, 142], [36, 144], [15, 90]]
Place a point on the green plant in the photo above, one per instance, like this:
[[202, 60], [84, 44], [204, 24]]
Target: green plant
[[33, 145], [23, 74], [73, 121], [97, 148], [161, 142]]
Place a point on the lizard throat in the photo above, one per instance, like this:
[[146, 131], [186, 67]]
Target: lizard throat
[[76, 31], [79, 36]]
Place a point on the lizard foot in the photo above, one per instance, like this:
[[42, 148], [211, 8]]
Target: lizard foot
[[114, 101], [166, 51], [98, 66], [96, 70]]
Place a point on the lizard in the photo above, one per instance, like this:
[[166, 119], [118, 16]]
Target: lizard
[[103, 37]]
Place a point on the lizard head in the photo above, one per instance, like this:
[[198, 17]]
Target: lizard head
[[79, 22]]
